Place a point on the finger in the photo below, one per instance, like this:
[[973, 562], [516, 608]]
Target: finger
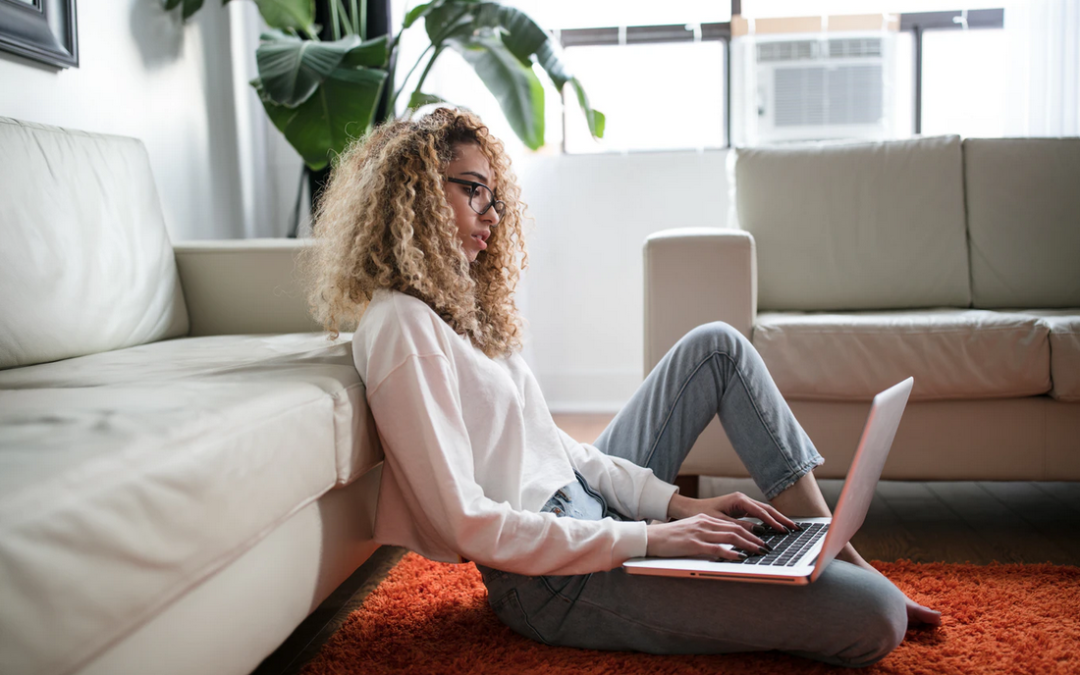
[[745, 524], [744, 541], [739, 528], [719, 552], [776, 522], [788, 522], [771, 517]]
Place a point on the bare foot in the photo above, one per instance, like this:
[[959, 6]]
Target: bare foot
[[917, 615]]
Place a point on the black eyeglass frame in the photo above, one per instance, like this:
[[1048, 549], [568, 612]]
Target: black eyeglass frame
[[500, 206]]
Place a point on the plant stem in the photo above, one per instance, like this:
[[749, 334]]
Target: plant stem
[[346, 22], [423, 75], [362, 19], [394, 98], [334, 20]]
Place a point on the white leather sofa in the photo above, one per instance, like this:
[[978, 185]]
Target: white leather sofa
[[852, 266], [187, 468]]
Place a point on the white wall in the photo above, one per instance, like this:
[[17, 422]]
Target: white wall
[[583, 289], [143, 74]]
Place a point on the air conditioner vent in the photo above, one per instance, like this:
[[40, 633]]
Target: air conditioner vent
[[790, 50], [854, 48], [826, 96], [812, 86]]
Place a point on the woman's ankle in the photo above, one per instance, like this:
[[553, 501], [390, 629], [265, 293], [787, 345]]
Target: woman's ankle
[[849, 554]]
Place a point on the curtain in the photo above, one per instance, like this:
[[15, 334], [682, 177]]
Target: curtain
[[1043, 79]]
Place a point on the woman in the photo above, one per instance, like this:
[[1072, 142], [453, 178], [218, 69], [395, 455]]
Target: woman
[[417, 241]]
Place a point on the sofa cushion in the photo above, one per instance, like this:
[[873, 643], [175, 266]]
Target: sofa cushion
[[951, 353], [128, 477], [240, 359], [86, 265], [1023, 221], [849, 226], [1064, 325]]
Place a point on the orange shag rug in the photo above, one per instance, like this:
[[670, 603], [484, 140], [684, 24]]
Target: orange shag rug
[[429, 618]]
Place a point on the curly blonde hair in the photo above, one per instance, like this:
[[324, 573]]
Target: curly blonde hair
[[384, 222]]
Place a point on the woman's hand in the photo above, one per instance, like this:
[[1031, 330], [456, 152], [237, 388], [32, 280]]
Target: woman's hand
[[701, 535], [731, 507]]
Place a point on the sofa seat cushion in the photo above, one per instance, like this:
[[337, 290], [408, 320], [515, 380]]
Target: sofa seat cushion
[[951, 353], [1064, 325], [242, 359], [129, 477]]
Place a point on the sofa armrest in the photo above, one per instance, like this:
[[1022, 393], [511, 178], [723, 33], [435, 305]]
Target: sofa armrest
[[695, 276], [243, 286]]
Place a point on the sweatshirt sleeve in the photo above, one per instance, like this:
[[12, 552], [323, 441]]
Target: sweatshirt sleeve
[[630, 489], [419, 417]]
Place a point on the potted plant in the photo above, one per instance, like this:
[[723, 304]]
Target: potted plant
[[322, 93]]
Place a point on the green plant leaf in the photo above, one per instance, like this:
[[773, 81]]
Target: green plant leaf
[[298, 14], [548, 57], [596, 119], [515, 86], [291, 69], [460, 19], [374, 53], [189, 6], [341, 109], [521, 35], [415, 14], [450, 20], [463, 20], [420, 99]]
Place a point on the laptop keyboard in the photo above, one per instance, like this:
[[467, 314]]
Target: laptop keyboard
[[788, 548]]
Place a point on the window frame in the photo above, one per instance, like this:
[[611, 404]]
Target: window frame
[[915, 22], [919, 22], [626, 35]]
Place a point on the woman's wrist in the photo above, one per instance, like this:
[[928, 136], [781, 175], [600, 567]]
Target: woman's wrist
[[680, 507]]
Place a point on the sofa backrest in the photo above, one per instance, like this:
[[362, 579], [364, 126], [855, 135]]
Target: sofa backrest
[[847, 226], [1023, 204], [85, 262]]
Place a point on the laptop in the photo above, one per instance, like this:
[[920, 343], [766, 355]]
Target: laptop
[[799, 558]]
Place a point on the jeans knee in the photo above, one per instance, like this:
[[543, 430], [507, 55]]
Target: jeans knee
[[718, 335], [882, 625]]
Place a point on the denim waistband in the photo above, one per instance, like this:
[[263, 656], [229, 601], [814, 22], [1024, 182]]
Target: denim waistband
[[576, 500], [579, 500]]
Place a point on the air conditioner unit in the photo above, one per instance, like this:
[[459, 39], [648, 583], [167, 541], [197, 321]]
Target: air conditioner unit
[[812, 87]]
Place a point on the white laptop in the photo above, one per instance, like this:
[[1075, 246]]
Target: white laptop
[[800, 557]]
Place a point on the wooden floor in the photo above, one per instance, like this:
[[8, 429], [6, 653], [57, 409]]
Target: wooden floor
[[977, 522]]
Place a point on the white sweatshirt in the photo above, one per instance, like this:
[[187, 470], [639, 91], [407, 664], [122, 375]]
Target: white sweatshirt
[[472, 454]]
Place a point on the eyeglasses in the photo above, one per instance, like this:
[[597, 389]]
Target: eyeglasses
[[481, 198]]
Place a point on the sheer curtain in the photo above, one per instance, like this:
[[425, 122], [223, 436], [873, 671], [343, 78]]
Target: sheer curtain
[[269, 167], [1043, 75]]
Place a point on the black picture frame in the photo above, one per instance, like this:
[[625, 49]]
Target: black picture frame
[[42, 30]]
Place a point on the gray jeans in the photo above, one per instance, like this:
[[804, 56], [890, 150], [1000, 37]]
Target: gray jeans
[[848, 617]]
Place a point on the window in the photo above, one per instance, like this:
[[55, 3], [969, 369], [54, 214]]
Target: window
[[660, 68], [963, 88], [685, 74], [657, 96]]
